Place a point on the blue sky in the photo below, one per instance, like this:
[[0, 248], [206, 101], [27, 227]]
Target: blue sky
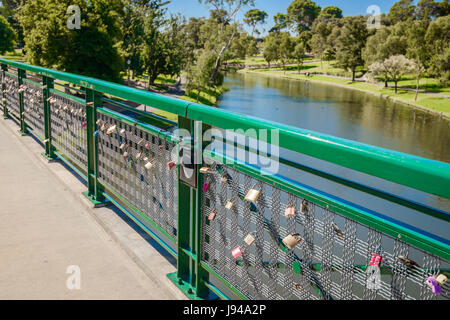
[[192, 8]]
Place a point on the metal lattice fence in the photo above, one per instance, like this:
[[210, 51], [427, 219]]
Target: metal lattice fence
[[68, 126], [34, 107], [12, 95], [243, 242], [134, 163]]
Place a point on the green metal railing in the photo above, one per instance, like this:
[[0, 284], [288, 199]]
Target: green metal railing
[[127, 162]]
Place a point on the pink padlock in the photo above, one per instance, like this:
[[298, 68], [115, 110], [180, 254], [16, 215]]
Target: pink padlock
[[206, 187], [236, 252], [84, 125], [434, 285], [376, 260], [171, 165]]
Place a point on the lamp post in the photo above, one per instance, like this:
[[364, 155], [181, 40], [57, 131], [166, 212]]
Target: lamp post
[[128, 62]]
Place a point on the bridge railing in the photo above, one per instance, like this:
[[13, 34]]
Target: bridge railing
[[239, 228]]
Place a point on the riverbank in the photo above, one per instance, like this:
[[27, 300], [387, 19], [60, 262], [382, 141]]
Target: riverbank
[[425, 102]]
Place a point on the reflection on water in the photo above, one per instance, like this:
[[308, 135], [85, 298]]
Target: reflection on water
[[351, 115], [339, 112]]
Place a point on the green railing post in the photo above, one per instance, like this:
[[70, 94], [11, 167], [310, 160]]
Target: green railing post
[[95, 189], [49, 149], [23, 127], [4, 68], [189, 276]]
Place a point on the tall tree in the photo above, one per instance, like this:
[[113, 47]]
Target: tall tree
[[232, 8], [91, 50], [287, 46], [7, 36], [271, 47], [331, 12], [299, 54], [427, 9], [402, 10], [417, 49], [254, 17], [351, 42], [302, 13], [280, 20], [8, 9], [438, 40]]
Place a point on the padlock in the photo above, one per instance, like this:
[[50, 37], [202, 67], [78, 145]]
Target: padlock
[[122, 146], [104, 127], [252, 195], [304, 207], [205, 187], [122, 131], [212, 216], [442, 279], [95, 133], [148, 165], [46, 140], [290, 211], [139, 155], [292, 240], [99, 122], [111, 129], [147, 146], [205, 170], [229, 205], [434, 285], [338, 232], [249, 239], [84, 125], [171, 165], [236, 252], [125, 154], [224, 178]]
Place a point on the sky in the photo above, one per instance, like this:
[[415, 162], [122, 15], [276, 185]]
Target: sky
[[192, 8]]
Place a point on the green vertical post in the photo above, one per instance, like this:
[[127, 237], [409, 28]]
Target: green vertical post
[[187, 278], [4, 68], [49, 149], [95, 189], [23, 127]]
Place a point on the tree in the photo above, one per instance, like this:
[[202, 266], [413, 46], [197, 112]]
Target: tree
[[233, 6], [438, 38], [331, 12], [402, 10], [271, 48], [8, 9], [286, 48], [302, 13], [427, 9], [418, 49], [299, 54], [90, 51], [395, 67], [193, 35], [280, 20], [319, 41], [254, 17], [164, 51], [351, 42], [7, 36]]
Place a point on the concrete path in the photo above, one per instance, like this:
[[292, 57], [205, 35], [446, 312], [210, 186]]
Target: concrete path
[[47, 226]]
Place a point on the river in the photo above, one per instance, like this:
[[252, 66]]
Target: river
[[351, 115]]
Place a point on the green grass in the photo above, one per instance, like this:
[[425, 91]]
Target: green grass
[[208, 97], [437, 104], [15, 55]]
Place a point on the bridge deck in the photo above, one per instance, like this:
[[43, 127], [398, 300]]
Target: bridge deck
[[45, 227]]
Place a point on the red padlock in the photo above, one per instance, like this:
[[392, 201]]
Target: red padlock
[[171, 165], [206, 187]]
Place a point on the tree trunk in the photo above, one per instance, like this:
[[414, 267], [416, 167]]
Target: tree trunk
[[417, 87], [198, 94], [219, 58], [385, 81], [353, 75], [396, 86]]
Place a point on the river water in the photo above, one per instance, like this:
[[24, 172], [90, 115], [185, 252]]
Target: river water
[[351, 115]]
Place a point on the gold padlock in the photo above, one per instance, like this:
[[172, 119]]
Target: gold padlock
[[304, 207], [252, 195], [148, 165], [229, 205], [205, 170], [292, 240], [442, 279], [122, 146], [224, 178], [111, 129], [290, 211], [249, 239]]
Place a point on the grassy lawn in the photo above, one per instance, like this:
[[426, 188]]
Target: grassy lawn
[[425, 101], [15, 55]]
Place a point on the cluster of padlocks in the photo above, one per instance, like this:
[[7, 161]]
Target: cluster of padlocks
[[11, 92], [139, 167], [68, 124], [249, 235], [33, 103]]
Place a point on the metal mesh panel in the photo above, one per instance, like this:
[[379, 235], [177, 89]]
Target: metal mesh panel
[[68, 126], [33, 105], [123, 156], [12, 95], [329, 262]]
